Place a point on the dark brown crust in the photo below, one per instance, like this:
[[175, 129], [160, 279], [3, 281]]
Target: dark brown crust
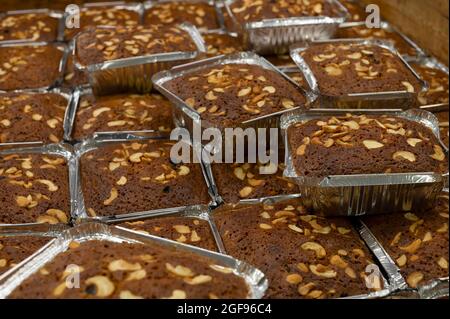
[[152, 183], [202, 15], [228, 95], [122, 113], [186, 230], [28, 26], [97, 45], [400, 234], [267, 237], [343, 68], [29, 117], [31, 67], [15, 249], [41, 195], [153, 279], [351, 145]]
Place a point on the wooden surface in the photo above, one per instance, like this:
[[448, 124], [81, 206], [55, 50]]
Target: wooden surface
[[424, 21]]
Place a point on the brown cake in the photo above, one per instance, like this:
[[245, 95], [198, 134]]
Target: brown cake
[[362, 32], [221, 43], [134, 177], [363, 144], [437, 80], [14, 249], [298, 78], [28, 26], [29, 67], [303, 256], [199, 13], [103, 16], [344, 68], [417, 242], [34, 188], [282, 60], [97, 45], [443, 125], [244, 181], [228, 95], [251, 11], [31, 117], [186, 230], [125, 112], [355, 10], [72, 76], [132, 271]]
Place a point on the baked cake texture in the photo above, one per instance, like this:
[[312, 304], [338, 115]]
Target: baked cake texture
[[281, 60], [344, 68], [302, 255], [244, 181], [29, 67], [201, 14], [134, 177], [251, 11], [443, 126], [14, 249], [230, 94], [97, 45], [34, 26], [355, 10], [104, 16], [185, 230], [31, 117], [437, 80], [350, 144], [73, 77], [221, 43], [416, 241], [132, 271], [125, 112], [34, 188]]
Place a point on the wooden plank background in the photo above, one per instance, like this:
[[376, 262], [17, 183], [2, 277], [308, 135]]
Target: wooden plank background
[[424, 21]]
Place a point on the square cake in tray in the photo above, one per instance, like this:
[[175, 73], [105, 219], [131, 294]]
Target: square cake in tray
[[33, 26], [135, 177], [111, 270], [14, 249], [227, 95], [34, 189], [124, 112], [187, 230], [199, 13], [29, 66], [416, 241], [342, 68], [32, 117], [302, 255], [364, 144]]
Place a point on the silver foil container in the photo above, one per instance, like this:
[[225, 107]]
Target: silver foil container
[[389, 28], [80, 214], [135, 73], [254, 278], [387, 290], [60, 149], [274, 36], [435, 289], [61, 66], [356, 195], [369, 100], [58, 15], [186, 116]]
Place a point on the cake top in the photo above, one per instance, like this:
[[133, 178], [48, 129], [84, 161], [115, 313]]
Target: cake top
[[437, 80], [350, 144], [227, 95], [133, 271], [252, 11], [200, 14], [28, 26], [348, 68], [97, 45], [218, 44]]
